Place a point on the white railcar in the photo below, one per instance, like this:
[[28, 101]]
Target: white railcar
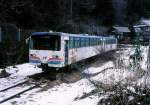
[[57, 49]]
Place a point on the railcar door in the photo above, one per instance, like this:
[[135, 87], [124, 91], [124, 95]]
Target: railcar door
[[66, 52]]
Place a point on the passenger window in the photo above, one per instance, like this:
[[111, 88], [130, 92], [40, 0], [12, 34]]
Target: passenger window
[[76, 43], [87, 42], [82, 41], [97, 41], [94, 41], [71, 43], [90, 41], [79, 42]]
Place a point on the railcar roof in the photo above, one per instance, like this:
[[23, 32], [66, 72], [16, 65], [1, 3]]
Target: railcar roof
[[66, 34]]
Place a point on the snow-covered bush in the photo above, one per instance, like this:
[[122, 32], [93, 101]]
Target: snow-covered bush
[[136, 58]]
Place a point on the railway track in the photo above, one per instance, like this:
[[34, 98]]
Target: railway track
[[7, 88], [17, 89]]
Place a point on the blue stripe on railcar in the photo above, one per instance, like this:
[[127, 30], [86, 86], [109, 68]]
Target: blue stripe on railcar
[[55, 62], [35, 61]]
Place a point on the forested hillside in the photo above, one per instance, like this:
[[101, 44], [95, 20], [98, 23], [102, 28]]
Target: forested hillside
[[61, 14]]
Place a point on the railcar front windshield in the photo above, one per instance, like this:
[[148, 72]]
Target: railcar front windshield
[[45, 42]]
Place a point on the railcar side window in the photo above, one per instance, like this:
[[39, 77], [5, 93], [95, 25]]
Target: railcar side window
[[87, 41], [93, 42], [46, 42], [71, 43], [90, 42], [99, 42], [96, 41], [82, 42], [76, 43]]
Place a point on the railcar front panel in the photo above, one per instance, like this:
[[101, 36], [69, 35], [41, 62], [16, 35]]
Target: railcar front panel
[[42, 57], [46, 50]]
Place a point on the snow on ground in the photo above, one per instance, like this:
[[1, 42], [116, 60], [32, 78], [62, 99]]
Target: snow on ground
[[65, 94], [93, 70], [9, 93], [130, 51], [144, 54], [24, 70], [114, 76], [10, 81], [144, 81], [18, 74]]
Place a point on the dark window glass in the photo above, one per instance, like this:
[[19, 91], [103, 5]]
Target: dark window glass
[[71, 43], [45, 42], [87, 41], [90, 41]]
